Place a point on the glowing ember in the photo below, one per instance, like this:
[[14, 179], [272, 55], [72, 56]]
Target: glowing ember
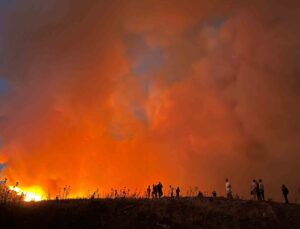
[[31, 194]]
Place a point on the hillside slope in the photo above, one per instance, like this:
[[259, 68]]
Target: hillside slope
[[144, 214]]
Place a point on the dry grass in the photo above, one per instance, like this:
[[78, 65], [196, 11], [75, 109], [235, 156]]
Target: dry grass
[[145, 213]]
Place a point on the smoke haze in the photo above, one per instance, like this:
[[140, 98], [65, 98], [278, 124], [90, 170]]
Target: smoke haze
[[128, 93]]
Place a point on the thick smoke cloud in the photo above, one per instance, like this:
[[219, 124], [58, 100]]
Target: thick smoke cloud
[[113, 94]]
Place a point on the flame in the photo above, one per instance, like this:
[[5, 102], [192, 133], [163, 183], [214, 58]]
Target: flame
[[30, 194]]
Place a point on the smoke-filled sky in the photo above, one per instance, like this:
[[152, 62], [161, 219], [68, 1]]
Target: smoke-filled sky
[[127, 93]]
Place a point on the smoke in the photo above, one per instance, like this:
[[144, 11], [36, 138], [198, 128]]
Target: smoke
[[113, 94]]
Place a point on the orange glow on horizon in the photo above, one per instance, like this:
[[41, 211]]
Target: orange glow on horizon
[[30, 194]]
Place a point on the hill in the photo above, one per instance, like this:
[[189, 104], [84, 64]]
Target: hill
[[144, 214]]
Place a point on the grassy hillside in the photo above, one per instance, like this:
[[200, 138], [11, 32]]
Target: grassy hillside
[[143, 214]]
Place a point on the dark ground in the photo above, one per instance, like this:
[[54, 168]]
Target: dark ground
[[144, 214]]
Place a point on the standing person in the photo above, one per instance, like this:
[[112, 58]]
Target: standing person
[[171, 191], [214, 194], [228, 189], [257, 190], [261, 189], [285, 193], [253, 189], [200, 194], [148, 192], [159, 189], [177, 192], [154, 191]]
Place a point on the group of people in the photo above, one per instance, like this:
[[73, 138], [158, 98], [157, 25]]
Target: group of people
[[158, 193], [257, 190], [172, 191]]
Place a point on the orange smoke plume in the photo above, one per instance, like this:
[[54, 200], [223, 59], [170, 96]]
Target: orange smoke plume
[[115, 94]]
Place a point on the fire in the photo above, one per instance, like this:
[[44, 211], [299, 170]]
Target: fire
[[30, 194]]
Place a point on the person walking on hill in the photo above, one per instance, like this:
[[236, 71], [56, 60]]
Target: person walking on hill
[[177, 192], [285, 193], [261, 189], [228, 189]]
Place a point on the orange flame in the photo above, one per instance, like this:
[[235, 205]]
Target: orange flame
[[30, 194]]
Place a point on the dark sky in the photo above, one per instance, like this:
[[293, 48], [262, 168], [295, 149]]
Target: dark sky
[[127, 93]]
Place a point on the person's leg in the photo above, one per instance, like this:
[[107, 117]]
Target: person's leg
[[258, 195], [285, 198]]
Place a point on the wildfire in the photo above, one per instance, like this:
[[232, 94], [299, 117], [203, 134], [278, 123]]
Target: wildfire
[[30, 194]]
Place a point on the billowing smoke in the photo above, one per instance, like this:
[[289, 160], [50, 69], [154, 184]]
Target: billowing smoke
[[127, 93]]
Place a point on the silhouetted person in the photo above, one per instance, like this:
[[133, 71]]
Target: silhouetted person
[[285, 193], [159, 189], [171, 191], [261, 189], [177, 192], [257, 190], [57, 199], [154, 191], [214, 194], [200, 195], [148, 192], [254, 189], [228, 189]]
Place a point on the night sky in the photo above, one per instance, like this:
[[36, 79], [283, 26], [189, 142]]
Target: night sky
[[102, 94]]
